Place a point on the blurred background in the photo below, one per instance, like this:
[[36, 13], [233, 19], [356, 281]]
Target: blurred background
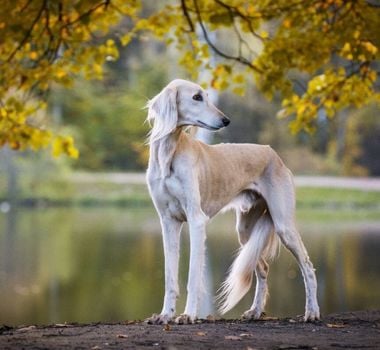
[[80, 240]]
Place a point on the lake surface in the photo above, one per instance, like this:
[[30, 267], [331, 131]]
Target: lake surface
[[106, 264]]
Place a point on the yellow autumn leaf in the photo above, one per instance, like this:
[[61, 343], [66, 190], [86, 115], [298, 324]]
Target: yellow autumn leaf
[[33, 55], [287, 23], [371, 48], [64, 145], [239, 91], [238, 78], [60, 73], [126, 38], [372, 76], [251, 10], [346, 47], [328, 103], [301, 108], [110, 42], [57, 147]]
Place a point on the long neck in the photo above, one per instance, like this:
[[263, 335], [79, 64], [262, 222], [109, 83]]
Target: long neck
[[162, 152]]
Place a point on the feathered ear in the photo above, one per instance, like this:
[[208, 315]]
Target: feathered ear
[[162, 112]]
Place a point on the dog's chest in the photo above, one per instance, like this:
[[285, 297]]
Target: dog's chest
[[168, 196]]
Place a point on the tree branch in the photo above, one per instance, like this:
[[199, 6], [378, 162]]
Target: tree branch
[[187, 15], [89, 12], [235, 11], [240, 59], [25, 6], [237, 31], [28, 33]]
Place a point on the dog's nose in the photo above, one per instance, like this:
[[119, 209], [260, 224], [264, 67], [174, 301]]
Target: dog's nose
[[225, 121]]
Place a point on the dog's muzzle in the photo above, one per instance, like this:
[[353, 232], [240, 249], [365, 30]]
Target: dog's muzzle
[[225, 121]]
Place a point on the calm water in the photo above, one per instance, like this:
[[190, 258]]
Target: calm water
[[106, 264]]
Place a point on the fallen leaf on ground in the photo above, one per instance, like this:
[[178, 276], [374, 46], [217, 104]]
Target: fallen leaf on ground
[[166, 328], [232, 337], [201, 334], [122, 336], [245, 335], [268, 318], [334, 325]]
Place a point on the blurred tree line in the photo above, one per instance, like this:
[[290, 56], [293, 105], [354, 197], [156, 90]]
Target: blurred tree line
[[108, 115]]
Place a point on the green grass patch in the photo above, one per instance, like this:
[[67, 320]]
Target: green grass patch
[[337, 198], [336, 215]]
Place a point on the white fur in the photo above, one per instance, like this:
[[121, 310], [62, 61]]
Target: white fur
[[163, 104], [191, 181], [240, 277]]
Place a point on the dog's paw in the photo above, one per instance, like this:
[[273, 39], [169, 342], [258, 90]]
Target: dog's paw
[[159, 319], [252, 314], [311, 315], [185, 319]]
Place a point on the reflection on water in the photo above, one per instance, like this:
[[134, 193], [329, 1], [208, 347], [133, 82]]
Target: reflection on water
[[106, 264]]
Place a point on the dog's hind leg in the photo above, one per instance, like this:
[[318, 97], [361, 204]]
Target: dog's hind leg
[[171, 230], [261, 291], [245, 225], [255, 228], [291, 239], [280, 198]]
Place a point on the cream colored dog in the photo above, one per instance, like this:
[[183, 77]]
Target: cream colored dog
[[191, 181]]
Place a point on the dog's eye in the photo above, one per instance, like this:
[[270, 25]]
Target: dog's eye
[[198, 97]]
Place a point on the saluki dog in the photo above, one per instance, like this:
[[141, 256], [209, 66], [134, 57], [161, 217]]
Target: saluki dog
[[192, 181]]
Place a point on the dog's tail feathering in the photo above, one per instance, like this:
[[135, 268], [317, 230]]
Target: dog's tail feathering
[[262, 243]]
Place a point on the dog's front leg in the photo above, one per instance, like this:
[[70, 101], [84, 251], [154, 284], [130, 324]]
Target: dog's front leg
[[197, 229], [171, 230]]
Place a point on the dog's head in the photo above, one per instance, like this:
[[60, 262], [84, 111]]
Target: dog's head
[[183, 103]]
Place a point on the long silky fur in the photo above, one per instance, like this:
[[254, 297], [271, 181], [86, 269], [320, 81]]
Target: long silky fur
[[262, 243], [162, 113]]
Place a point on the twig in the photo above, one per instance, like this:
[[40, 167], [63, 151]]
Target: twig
[[28, 33], [240, 59], [187, 16], [89, 12]]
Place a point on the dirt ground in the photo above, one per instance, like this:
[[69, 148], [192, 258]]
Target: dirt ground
[[354, 330]]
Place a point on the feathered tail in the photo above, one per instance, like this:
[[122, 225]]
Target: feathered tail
[[262, 243]]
